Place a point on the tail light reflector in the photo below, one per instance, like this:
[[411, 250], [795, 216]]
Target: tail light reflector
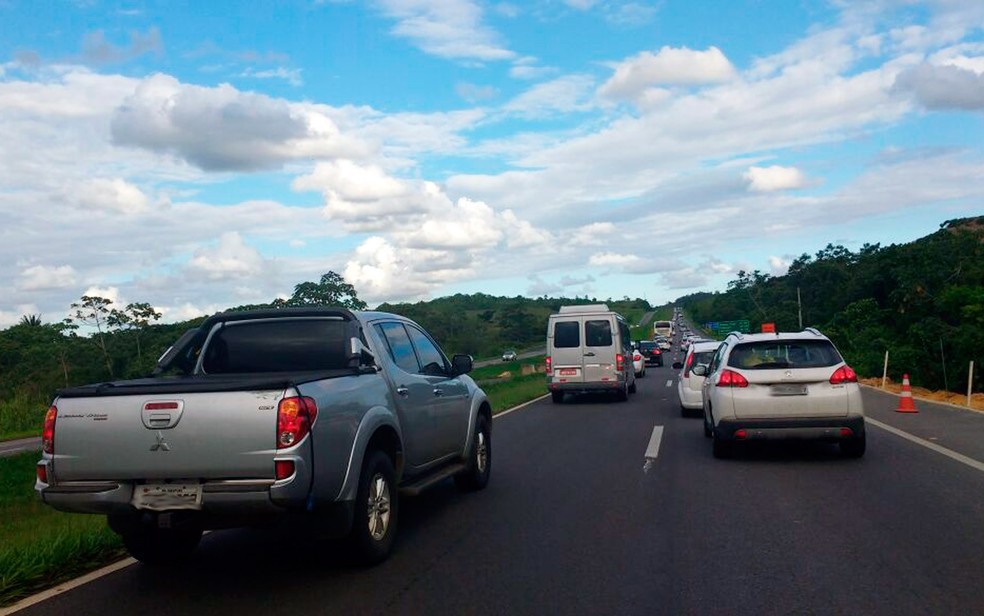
[[283, 468], [48, 432], [844, 374], [295, 416], [42, 470], [847, 432], [730, 378], [741, 434]]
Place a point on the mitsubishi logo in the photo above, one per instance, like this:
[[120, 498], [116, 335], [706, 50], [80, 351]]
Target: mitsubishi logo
[[789, 374], [161, 444]]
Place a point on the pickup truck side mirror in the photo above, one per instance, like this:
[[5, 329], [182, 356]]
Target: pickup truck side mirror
[[461, 364]]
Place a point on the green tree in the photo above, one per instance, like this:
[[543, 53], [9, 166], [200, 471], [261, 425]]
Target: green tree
[[135, 318], [331, 290], [94, 311]]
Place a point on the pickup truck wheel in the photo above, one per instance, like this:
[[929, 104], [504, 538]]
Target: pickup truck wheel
[[476, 477], [158, 546], [376, 507]]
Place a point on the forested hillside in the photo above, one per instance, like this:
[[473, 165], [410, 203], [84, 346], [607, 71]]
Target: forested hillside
[[923, 302]]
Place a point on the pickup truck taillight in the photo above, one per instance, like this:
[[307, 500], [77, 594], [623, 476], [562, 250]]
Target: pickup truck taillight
[[295, 417], [48, 432]]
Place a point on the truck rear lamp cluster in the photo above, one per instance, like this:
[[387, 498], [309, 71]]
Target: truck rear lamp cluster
[[295, 416], [730, 378], [844, 374], [619, 362], [48, 432], [549, 363]]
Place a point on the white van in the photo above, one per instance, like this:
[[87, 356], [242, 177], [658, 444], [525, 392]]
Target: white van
[[589, 349]]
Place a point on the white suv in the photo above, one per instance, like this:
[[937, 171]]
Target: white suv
[[689, 384], [781, 386]]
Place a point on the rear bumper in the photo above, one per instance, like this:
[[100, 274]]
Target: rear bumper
[[585, 388], [786, 428]]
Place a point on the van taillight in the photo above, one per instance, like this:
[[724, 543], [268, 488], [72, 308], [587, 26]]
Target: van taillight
[[549, 362], [730, 378], [48, 432], [295, 416], [844, 374], [619, 362]]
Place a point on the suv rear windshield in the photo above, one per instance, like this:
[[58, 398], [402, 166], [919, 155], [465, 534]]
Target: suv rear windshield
[[278, 345], [772, 354]]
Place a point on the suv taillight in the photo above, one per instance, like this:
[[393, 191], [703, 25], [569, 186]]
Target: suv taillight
[[48, 432], [690, 361], [844, 374], [295, 416], [619, 362], [549, 362], [730, 378]]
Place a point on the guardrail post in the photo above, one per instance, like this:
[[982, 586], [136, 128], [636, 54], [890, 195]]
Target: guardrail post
[[970, 382], [885, 370]]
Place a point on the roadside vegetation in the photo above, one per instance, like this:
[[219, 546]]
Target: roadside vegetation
[[42, 547]]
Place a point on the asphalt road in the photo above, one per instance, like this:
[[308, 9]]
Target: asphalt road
[[12, 448], [577, 520]]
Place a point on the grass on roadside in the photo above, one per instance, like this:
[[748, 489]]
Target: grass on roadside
[[40, 547], [21, 416]]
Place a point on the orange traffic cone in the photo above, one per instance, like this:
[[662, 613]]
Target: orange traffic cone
[[906, 403]]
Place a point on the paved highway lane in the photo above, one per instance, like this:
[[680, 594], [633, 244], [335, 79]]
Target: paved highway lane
[[576, 522]]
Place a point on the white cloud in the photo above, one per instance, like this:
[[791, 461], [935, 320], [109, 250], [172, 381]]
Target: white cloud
[[571, 93], [594, 234], [223, 129], [944, 87], [778, 266], [115, 196], [768, 179], [670, 66], [37, 277], [231, 258], [290, 75], [451, 29]]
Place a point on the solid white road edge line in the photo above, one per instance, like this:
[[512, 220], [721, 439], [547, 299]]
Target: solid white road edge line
[[67, 586], [959, 457], [516, 408], [652, 451]]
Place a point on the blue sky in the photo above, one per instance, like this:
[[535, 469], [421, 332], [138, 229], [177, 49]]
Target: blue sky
[[198, 156]]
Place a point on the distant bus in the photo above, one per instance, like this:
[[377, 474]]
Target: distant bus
[[663, 328]]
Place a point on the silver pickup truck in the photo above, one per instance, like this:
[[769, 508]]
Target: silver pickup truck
[[323, 414]]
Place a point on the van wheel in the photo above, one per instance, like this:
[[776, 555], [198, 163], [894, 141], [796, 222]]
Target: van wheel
[[623, 394], [557, 396], [632, 387], [160, 546], [376, 508]]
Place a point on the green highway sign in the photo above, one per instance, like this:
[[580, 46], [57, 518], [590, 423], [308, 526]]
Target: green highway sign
[[741, 325]]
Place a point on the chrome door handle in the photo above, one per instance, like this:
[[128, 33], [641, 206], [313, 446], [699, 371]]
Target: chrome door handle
[[438, 391], [403, 391], [589, 354]]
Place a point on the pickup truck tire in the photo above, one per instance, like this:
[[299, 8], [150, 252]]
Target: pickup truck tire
[[158, 546], [376, 508], [476, 477]]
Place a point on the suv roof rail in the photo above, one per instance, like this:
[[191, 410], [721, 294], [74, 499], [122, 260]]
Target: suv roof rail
[[736, 333], [813, 330]]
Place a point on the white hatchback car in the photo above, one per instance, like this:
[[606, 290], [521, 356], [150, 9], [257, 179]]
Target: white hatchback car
[[688, 383], [781, 386]]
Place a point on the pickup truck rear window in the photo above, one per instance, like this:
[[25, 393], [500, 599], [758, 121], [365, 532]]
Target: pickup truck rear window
[[279, 345]]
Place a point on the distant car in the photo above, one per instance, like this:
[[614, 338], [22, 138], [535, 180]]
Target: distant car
[[689, 384], [639, 363], [651, 352], [665, 344], [509, 356], [781, 386]]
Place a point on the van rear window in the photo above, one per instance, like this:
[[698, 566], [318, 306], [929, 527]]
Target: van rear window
[[598, 333], [567, 334], [278, 345]]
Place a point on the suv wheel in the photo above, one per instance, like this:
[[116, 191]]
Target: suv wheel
[[722, 449], [376, 507], [479, 468], [557, 396]]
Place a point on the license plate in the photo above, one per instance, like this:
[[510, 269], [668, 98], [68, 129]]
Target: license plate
[[786, 389], [165, 496], [568, 371]]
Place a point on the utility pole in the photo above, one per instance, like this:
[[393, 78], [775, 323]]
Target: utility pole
[[799, 307]]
